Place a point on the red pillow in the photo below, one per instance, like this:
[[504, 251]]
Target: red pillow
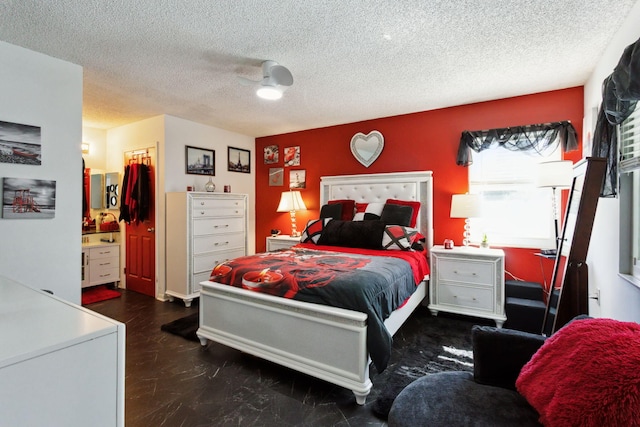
[[414, 205], [348, 206], [586, 374]]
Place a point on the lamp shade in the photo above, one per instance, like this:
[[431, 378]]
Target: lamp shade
[[558, 174], [291, 201], [465, 206]]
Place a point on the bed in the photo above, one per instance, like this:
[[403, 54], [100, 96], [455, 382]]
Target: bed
[[264, 328]]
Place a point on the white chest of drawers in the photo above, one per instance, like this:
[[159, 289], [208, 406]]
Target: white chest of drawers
[[203, 230], [468, 281]]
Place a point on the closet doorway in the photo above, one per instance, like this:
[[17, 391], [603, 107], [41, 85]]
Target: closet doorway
[[140, 238]]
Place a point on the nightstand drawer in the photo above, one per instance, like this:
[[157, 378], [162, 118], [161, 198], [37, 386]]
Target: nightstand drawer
[[461, 296], [455, 270]]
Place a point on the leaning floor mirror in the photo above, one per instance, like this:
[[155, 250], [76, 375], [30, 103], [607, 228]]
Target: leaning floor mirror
[[568, 296]]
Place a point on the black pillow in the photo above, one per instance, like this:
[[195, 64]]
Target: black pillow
[[333, 210], [369, 216], [353, 234], [396, 214]]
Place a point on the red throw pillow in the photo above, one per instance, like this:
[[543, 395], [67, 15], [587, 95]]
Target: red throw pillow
[[313, 230], [348, 207], [586, 374], [414, 205]]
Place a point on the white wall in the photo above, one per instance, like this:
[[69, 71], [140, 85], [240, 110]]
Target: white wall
[[618, 298], [43, 91]]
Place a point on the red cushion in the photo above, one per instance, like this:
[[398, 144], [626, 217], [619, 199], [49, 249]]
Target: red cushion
[[586, 374], [348, 207], [414, 205]]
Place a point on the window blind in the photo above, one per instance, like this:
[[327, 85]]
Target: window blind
[[630, 143]]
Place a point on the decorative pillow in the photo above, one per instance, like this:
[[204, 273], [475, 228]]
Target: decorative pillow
[[353, 234], [414, 205], [372, 211], [360, 210], [348, 206], [586, 374], [313, 230], [399, 238], [396, 214], [333, 210]]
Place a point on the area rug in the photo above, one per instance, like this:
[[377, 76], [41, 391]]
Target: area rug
[[184, 327], [425, 344], [98, 293]]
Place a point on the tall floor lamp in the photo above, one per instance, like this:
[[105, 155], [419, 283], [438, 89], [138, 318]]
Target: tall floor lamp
[[465, 206], [555, 175], [291, 201]]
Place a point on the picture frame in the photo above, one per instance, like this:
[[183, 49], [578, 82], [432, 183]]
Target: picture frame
[[292, 156], [26, 198], [20, 144], [199, 161], [271, 154], [298, 179], [276, 177], [238, 160]]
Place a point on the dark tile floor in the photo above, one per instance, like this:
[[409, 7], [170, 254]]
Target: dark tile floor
[[171, 381]]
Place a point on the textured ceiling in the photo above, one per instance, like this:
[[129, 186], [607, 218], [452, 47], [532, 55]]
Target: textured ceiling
[[351, 60]]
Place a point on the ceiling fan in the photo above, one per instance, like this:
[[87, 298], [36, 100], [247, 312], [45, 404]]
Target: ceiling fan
[[275, 79]]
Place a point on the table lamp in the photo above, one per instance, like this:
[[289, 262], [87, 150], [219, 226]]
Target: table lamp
[[291, 201], [465, 206]]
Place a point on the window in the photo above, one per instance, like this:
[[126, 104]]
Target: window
[[629, 170], [516, 213]]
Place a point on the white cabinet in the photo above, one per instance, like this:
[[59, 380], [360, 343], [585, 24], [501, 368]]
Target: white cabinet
[[469, 281], [100, 264], [60, 364], [281, 242], [203, 230]]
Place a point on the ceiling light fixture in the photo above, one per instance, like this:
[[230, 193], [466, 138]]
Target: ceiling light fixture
[[271, 93]]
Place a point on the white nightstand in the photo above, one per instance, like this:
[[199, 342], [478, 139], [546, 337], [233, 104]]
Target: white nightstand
[[468, 281], [281, 242]]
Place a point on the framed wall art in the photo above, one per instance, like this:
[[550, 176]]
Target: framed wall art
[[200, 161], [271, 154], [20, 144], [25, 198], [298, 179], [276, 177], [239, 160], [292, 156]]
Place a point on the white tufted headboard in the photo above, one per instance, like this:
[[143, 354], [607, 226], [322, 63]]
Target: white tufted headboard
[[369, 188]]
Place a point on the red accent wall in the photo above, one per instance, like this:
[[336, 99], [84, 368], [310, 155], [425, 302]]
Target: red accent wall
[[419, 141]]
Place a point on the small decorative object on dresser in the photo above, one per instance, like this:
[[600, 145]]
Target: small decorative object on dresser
[[281, 242], [468, 281], [210, 186]]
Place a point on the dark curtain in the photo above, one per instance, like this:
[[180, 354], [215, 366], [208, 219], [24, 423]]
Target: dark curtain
[[620, 94], [538, 137]]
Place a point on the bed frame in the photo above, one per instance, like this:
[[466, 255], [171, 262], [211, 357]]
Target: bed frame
[[322, 341]]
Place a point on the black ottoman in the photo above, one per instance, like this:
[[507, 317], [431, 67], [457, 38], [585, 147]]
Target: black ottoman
[[455, 399]]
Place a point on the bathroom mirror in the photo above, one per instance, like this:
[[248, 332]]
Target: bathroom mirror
[[112, 190], [97, 184]]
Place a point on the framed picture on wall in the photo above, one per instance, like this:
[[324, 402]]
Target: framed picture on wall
[[292, 156], [25, 198], [298, 178], [271, 154], [200, 161], [239, 160], [276, 177], [20, 144]]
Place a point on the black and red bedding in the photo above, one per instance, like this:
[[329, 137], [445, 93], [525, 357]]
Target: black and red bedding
[[374, 282]]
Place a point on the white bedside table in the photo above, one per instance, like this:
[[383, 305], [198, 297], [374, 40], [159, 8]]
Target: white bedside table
[[468, 281], [281, 242]]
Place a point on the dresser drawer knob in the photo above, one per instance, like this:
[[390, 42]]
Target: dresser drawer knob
[[221, 226], [221, 243]]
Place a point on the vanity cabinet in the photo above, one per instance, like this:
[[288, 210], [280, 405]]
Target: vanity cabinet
[[203, 230], [100, 264]]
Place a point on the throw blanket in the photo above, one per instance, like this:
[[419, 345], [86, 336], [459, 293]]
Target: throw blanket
[[366, 282]]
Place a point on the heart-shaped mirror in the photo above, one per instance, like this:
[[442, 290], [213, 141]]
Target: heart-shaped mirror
[[367, 148]]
